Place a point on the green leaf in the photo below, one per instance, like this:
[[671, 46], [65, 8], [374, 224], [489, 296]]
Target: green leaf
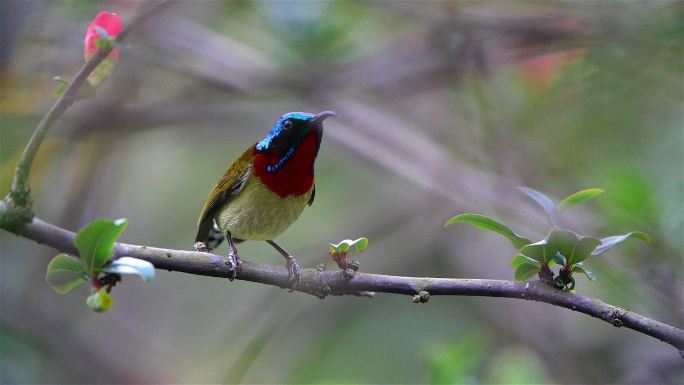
[[574, 247], [609, 242], [537, 251], [520, 259], [545, 202], [344, 246], [101, 72], [526, 271], [100, 301], [579, 197], [60, 89], [102, 43], [361, 244], [95, 242], [560, 259], [64, 273], [62, 86], [128, 265], [487, 223], [580, 269]]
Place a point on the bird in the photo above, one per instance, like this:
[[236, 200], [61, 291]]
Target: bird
[[265, 190]]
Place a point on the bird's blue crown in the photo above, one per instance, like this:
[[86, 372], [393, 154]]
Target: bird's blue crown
[[278, 128]]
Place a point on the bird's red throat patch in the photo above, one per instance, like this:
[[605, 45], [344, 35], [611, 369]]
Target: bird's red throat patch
[[295, 176]]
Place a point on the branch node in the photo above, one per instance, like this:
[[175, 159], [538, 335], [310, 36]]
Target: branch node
[[546, 275], [422, 297], [348, 273], [616, 317], [21, 195], [323, 289], [15, 212], [350, 269]]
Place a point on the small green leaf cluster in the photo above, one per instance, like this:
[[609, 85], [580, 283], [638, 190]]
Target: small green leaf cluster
[[561, 247], [95, 244], [338, 252], [344, 246]]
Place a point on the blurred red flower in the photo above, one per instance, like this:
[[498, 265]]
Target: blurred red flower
[[539, 72], [109, 22], [106, 25]]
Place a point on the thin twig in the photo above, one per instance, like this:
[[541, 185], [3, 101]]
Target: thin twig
[[324, 283], [20, 192]]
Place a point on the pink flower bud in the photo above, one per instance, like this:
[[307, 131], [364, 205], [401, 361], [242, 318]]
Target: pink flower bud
[[106, 25], [109, 22]]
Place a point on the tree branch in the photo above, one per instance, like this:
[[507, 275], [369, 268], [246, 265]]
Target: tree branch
[[323, 283]]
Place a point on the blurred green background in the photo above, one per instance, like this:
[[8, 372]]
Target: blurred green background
[[445, 107]]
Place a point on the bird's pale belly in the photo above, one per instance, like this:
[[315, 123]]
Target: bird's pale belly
[[257, 213]]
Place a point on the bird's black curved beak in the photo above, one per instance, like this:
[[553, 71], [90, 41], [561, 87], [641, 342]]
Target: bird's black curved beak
[[320, 117]]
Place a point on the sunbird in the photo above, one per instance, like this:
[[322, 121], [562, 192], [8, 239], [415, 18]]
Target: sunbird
[[265, 190]]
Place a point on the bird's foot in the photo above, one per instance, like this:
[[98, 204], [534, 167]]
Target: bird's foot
[[233, 263], [201, 247], [295, 273]]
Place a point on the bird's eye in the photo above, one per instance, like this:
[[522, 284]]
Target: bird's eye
[[287, 124]]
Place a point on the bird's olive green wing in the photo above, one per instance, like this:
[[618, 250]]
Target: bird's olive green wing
[[230, 184]]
